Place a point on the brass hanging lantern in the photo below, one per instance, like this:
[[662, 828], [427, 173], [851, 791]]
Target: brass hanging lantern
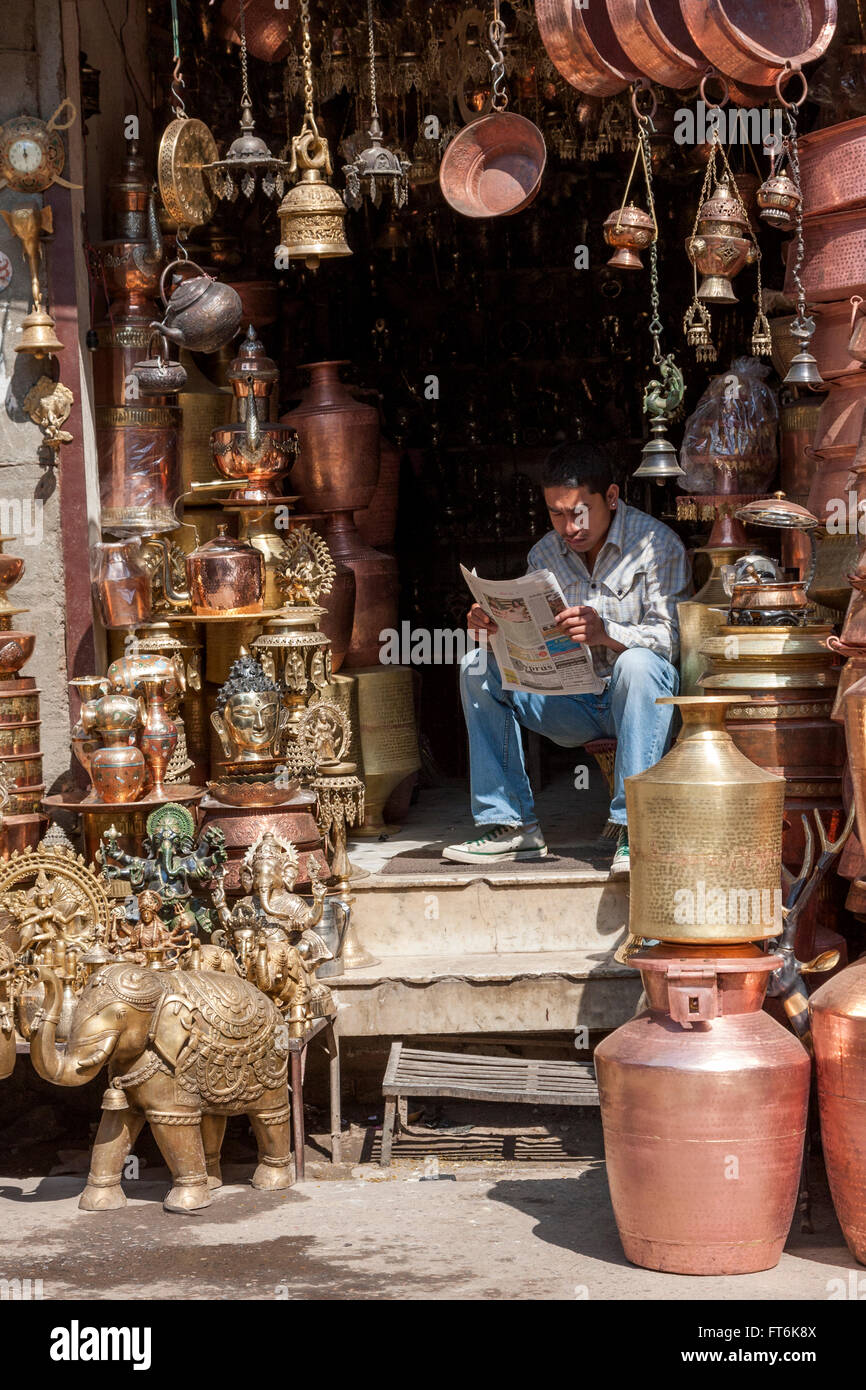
[[248, 157], [312, 213], [376, 167]]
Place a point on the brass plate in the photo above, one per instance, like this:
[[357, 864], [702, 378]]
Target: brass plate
[[186, 146]]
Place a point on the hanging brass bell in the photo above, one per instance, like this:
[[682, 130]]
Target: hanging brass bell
[[658, 456], [39, 335], [312, 213], [803, 371]]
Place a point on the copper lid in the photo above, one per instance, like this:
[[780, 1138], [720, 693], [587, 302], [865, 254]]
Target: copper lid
[[223, 545], [777, 511]]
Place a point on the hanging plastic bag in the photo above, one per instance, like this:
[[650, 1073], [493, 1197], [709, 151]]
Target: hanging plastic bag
[[730, 441]]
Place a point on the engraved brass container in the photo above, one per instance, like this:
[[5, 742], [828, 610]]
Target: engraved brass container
[[705, 836], [200, 313], [226, 576], [722, 245]]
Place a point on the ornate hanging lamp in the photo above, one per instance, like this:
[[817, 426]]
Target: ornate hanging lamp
[[312, 213], [248, 157], [803, 370], [376, 167]]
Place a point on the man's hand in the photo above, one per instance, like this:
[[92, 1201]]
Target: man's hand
[[477, 621], [583, 625]]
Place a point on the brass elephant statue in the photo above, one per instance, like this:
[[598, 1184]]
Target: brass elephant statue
[[185, 1049]]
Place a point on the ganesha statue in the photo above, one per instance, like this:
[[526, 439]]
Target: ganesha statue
[[185, 1049], [174, 865]]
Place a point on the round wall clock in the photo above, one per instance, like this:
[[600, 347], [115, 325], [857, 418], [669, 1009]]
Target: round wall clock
[[31, 152], [186, 146]]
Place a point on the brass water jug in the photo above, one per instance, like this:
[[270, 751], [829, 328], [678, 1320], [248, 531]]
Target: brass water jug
[[705, 836]]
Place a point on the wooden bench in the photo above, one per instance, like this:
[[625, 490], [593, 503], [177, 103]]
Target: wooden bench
[[412, 1071]]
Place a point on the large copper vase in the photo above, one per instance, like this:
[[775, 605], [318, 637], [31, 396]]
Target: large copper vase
[[338, 464], [838, 1011], [376, 588], [703, 1102]]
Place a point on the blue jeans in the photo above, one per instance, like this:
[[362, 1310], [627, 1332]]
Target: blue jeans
[[626, 709]]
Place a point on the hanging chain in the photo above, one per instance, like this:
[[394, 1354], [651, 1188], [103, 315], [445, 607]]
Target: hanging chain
[[374, 110], [655, 323], [799, 249], [307, 62], [176, 75], [496, 58], [245, 90]]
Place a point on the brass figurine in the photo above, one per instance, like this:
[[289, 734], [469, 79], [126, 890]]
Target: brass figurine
[[173, 864], [249, 717]]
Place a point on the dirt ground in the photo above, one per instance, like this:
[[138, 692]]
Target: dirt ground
[[481, 1203]]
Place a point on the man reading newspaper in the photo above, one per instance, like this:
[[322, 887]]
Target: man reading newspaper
[[622, 574]]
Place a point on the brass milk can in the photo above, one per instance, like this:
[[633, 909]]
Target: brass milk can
[[705, 836]]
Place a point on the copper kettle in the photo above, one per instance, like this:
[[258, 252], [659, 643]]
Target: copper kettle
[[201, 314], [226, 576]]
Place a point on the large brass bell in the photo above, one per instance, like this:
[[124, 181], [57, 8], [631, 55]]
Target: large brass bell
[[658, 456], [803, 371], [312, 213], [39, 335]]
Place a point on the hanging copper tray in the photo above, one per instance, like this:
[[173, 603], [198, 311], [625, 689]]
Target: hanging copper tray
[[833, 167], [493, 166], [654, 37], [834, 261], [754, 40], [583, 47]]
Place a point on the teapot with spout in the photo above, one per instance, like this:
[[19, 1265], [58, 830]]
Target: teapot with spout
[[201, 314]]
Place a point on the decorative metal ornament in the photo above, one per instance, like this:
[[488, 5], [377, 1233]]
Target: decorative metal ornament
[[186, 147], [630, 230], [31, 152], [248, 157], [312, 214], [803, 370], [376, 167]]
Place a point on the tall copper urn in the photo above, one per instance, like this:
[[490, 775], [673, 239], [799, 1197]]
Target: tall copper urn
[[338, 463], [703, 1102], [838, 1012]]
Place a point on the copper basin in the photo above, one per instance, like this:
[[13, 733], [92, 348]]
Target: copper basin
[[833, 167], [654, 37], [753, 40], [583, 47], [493, 166], [260, 473], [834, 260]]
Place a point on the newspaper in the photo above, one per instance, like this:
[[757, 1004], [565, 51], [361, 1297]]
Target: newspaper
[[532, 653]]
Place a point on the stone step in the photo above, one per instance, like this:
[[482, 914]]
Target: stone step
[[445, 913], [488, 992]]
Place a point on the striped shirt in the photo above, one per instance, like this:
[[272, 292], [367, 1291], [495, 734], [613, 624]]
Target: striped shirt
[[642, 572]]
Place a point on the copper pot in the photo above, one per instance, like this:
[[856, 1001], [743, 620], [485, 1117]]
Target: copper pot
[[294, 821], [258, 456], [834, 260], [798, 421], [226, 576], [377, 524], [838, 1013], [654, 37], [339, 616], [377, 587], [833, 167], [702, 1078], [493, 166], [755, 42], [830, 482], [338, 462], [583, 47], [15, 649]]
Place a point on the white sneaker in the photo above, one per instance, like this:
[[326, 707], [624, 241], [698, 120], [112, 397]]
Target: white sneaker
[[501, 844]]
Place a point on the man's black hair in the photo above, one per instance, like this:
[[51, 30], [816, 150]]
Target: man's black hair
[[581, 464]]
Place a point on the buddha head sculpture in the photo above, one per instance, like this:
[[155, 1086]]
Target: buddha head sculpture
[[250, 715]]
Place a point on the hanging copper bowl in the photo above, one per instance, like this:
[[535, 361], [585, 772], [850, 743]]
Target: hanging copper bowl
[[654, 37], [754, 40], [493, 166], [583, 47]]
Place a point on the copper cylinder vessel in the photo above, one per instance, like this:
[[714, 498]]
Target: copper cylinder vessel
[[377, 586], [583, 47], [705, 836], [754, 43], [838, 1013], [834, 260], [703, 1102], [842, 415], [833, 167], [241, 825], [798, 421], [834, 324], [654, 37], [338, 463], [139, 467]]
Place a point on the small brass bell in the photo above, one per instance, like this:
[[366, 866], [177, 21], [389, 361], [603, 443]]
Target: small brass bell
[[39, 335], [803, 371]]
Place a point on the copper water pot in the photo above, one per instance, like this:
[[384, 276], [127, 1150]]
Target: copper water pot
[[377, 588], [338, 436], [703, 1102], [226, 576], [838, 1013], [705, 832], [255, 453]]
